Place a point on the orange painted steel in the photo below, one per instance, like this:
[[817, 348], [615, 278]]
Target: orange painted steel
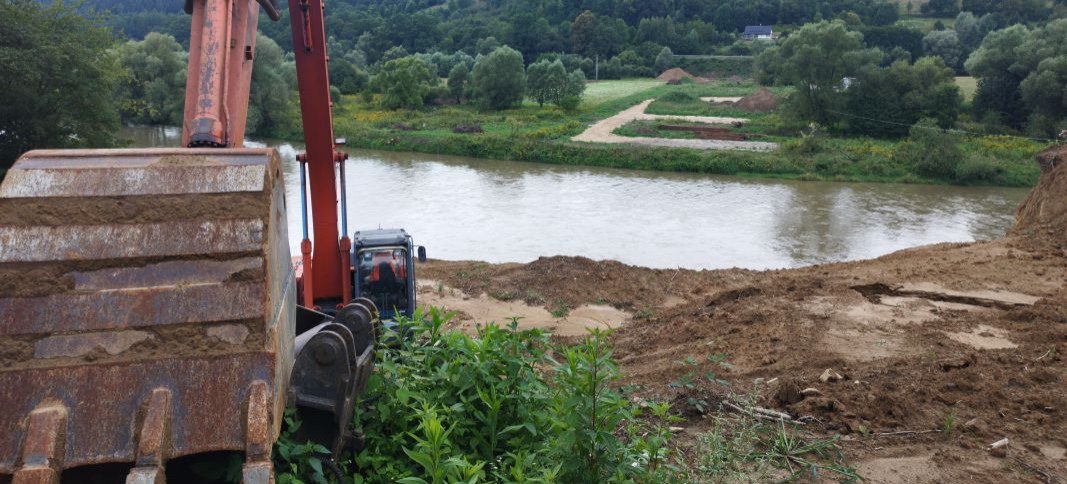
[[309, 47], [221, 51]]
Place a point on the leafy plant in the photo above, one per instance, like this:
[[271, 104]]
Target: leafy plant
[[501, 406], [560, 309], [950, 423], [298, 462]]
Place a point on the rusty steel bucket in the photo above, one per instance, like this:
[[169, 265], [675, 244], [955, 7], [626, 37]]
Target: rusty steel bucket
[[147, 307]]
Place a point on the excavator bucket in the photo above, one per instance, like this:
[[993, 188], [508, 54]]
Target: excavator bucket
[[147, 312]]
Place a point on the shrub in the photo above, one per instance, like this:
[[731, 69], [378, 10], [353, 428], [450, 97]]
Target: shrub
[[499, 79], [573, 90], [932, 151], [496, 406], [678, 97], [808, 143], [978, 168]]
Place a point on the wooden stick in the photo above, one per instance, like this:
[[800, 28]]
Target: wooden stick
[[762, 413], [1045, 476], [908, 432]]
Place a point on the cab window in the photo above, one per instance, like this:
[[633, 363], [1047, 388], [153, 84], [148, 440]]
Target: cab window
[[382, 275]]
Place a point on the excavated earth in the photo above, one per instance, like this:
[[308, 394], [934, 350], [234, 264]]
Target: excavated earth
[[933, 353]]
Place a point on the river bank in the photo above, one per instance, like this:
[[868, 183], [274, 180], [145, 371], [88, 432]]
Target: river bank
[[920, 359], [543, 135]]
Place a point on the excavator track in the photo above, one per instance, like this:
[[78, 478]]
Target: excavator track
[[147, 311]]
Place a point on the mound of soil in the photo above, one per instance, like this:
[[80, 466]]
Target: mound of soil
[[1042, 217], [761, 101], [575, 280], [676, 74]]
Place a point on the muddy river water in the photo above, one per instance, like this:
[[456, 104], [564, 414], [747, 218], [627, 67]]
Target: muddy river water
[[499, 211]]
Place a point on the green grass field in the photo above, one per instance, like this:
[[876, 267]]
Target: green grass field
[[600, 92], [968, 86]]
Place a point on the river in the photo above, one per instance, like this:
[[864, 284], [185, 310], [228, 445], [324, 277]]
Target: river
[[502, 211]]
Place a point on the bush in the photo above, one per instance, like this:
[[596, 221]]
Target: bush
[[978, 168], [499, 406], [808, 143], [932, 151], [678, 97], [499, 79]]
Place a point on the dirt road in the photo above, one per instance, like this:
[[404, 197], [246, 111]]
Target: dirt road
[[603, 132], [933, 353]]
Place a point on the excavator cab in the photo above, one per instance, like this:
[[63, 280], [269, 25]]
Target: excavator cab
[[383, 264]]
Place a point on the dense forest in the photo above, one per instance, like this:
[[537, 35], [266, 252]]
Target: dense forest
[[532, 27]]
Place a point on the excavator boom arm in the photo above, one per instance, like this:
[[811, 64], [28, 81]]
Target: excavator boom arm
[[221, 53]]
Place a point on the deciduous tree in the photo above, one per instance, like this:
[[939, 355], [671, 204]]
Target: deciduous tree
[[946, 45], [57, 78], [816, 60], [499, 79], [457, 81], [404, 82], [152, 88]]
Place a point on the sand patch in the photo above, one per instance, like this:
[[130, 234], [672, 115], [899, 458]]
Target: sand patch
[[480, 310], [981, 297], [984, 338], [899, 470]]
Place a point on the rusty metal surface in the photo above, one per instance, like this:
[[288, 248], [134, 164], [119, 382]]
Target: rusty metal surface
[[219, 70], [95, 242], [124, 312], [81, 173], [165, 274], [209, 397], [134, 308]]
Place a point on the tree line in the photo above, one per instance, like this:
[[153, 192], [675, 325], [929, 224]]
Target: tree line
[[533, 27], [852, 86]]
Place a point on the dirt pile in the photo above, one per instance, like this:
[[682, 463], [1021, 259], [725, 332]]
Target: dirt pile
[[676, 74], [1042, 217], [577, 281], [761, 101]]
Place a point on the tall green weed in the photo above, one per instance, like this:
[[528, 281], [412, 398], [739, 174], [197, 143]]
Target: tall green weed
[[502, 406]]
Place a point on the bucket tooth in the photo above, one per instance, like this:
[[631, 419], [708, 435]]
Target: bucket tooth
[[258, 468], [154, 440], [43, 448]]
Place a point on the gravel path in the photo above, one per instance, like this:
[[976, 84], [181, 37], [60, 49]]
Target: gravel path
[[603, 132], [721, 99]]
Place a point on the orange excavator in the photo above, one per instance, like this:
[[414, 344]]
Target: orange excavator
[[151, 317]]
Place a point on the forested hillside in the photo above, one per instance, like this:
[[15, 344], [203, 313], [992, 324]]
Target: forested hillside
[[532, 27]]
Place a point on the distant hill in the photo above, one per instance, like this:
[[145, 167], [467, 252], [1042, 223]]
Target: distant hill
[[369, 30]]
